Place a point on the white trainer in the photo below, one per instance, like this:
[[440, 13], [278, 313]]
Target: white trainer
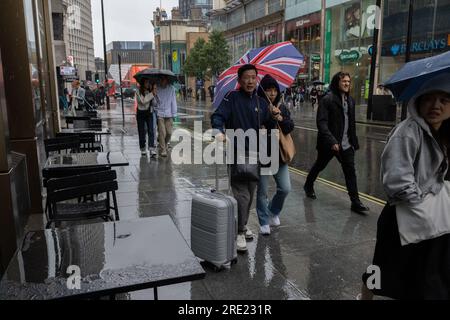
[[241, 243], [275, 221], [153, 152], [143, 152], [249, 234], [265, 230]]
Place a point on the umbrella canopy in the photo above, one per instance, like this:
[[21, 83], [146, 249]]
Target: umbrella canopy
[[406, 81], [282, 61], [155, 75]]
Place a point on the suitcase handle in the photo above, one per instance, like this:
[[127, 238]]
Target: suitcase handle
[[217, 171]]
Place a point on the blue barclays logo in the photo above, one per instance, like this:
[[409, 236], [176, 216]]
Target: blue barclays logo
[[421, 46], [395, 49]]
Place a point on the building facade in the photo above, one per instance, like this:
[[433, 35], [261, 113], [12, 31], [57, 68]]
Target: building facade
[[80, 37], [132, 52], [28, 113], [172, 37], [347, 28], [430, 32], [249, 25], [185, 7]]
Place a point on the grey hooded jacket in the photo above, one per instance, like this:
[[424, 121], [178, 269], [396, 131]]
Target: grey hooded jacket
[[413, 164]]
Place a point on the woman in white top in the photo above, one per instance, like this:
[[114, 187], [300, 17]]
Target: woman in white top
[[146, 99]]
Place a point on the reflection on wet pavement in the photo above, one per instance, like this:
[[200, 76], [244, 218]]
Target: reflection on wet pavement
[[319, 251]]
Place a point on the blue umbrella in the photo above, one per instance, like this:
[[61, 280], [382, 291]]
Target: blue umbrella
[[406, 81]]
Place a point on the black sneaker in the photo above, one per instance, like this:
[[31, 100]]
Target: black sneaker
[[359, 207], [310, 192]]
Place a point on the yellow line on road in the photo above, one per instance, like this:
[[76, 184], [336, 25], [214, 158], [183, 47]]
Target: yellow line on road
[[340, 188]]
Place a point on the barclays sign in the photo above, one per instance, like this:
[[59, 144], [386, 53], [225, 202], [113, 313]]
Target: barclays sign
[[417, 47]]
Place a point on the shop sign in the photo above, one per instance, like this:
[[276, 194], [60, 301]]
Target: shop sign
[[300, 23], [421, 46], [315, 58], [269, 32], [349, 56], [174, 56]]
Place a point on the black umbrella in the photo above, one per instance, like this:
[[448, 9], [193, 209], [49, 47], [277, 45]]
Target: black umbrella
[[155, 75]]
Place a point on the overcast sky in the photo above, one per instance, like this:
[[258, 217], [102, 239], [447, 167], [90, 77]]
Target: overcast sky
[[125, 20]]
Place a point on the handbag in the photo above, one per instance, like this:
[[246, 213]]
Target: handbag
[[247, 171], [287, 147]]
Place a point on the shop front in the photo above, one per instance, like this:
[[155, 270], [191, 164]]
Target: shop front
[[258, 36], [430, 33], [269, 34], [173, 60], [304, 33], [349, 36]]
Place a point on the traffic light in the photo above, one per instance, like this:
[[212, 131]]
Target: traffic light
[[97, 78]]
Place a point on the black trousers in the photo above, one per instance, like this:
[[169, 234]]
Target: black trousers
[[347, 160], [145, 125]]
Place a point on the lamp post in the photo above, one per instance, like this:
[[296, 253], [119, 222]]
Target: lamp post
[[108, 106], [87, 62], [373, 61], [121, 93], [408, 50]]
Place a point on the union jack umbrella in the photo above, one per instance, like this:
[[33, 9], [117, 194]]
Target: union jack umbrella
[[282, 61]]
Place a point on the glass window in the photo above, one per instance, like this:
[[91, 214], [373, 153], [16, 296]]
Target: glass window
[[255, 10], [33, 59], [58, 28], [351, 36], [235, 18]]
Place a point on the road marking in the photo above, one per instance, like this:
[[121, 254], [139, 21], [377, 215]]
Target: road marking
[[309, 129], [341, 188]]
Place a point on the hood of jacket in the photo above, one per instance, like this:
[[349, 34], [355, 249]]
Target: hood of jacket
[[268, 82], [439, 83]]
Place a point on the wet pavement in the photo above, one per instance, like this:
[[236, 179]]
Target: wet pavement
[[321, 248]]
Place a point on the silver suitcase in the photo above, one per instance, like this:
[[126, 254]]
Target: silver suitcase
[[214, 227]]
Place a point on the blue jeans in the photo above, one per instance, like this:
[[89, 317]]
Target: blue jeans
[[266, 209]]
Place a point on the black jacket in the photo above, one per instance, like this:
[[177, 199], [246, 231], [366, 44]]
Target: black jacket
[[331, 122], [287, 124], [238, 110]]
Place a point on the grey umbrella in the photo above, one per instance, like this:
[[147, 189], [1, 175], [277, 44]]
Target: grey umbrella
[[155, 74]]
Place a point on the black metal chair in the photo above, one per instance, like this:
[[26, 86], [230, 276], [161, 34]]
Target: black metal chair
[[59, 144], [95, 123], [71, 119], [92, 114], [61, 190], [67, 172], [88, 142], [81, 124]]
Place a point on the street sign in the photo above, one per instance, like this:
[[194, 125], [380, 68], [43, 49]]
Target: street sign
[[67, 71]]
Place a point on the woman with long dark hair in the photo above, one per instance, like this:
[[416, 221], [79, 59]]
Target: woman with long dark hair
[[147, 100], [412, 253], [269, 211]]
